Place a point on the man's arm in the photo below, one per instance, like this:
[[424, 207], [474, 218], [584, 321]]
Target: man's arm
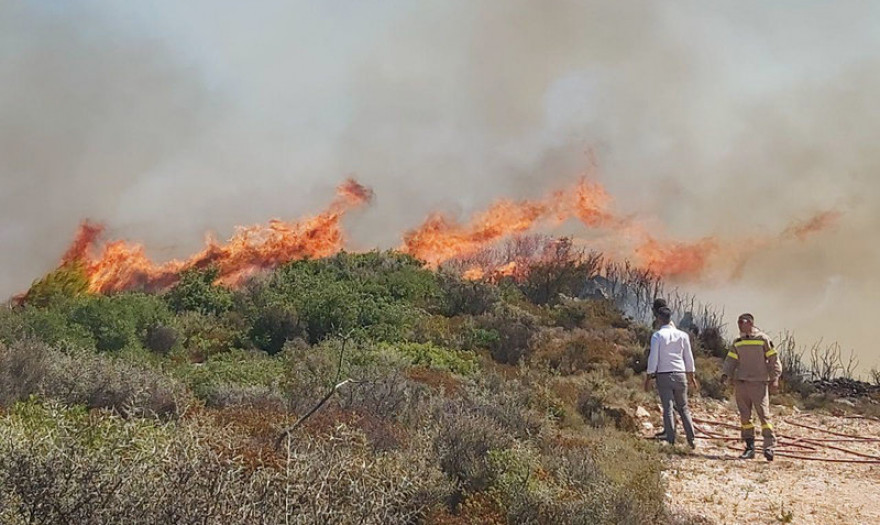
[[653, 360], [774, 364], [731, 362], [689, 367]]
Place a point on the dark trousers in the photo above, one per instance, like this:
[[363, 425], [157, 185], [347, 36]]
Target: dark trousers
[[673, 390]]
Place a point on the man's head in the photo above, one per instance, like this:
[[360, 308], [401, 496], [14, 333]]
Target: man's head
[[658, 304], [745, 322], [663, 314]]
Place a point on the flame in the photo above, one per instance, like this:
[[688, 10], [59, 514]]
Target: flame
[[673, 258], [121, 266], [440, 238], [803, 229], [471, 246]]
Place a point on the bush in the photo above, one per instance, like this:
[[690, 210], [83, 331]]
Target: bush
[[204, 335], [272, 326], [23, 370], [463, 443], [466, 297], [67, 466], [80, 378], [350, 293], [433, 356], [119, 321], [161, 339], [589, 314], [615, 479], [196, 292], [570, 352], [66, 282], [709, 375], [50, 325], [514, 328], [563, 271], [235, 375]]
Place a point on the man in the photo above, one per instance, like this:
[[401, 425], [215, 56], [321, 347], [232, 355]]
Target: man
[[671, 363], [753, 363]]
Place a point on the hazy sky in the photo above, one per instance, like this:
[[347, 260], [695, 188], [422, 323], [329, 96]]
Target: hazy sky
[[167, 119]]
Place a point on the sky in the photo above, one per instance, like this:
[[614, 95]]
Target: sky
[[166, 120]]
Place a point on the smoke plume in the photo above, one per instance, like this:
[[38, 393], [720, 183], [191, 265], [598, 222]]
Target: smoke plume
[[736, 127]]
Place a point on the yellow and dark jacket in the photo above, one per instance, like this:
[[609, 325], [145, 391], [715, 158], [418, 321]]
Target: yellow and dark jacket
[[753, 358]]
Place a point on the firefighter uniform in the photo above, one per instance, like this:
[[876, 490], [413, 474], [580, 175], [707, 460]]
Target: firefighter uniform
[[752, 363]]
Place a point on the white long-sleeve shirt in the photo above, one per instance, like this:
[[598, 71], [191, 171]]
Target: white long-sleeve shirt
[[670, 351]]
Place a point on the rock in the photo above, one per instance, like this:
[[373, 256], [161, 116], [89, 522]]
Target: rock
[[641, 412], [647, 425]]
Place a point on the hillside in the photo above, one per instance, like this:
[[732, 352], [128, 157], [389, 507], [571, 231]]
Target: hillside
[[408, 396]]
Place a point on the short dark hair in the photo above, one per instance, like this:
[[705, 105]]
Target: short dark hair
[[664, 314], [658, 304]]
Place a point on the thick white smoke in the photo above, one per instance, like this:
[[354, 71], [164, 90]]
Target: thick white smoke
[[168, 119]]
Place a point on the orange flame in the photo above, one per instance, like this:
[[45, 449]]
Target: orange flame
[[803, 229], [122, 266], [673, 258], [440, 238]]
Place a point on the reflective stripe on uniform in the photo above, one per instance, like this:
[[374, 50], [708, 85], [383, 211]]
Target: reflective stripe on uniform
[[749, 342], [748, 426], [767, 426], [732, 355], [770, 352]]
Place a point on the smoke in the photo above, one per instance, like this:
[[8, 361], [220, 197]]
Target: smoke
[[729, 121]]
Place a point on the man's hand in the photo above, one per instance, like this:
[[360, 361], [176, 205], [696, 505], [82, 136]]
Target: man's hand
[[774, 386], [693, 381]]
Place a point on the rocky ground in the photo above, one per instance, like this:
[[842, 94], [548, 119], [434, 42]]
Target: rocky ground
[[713, 485]]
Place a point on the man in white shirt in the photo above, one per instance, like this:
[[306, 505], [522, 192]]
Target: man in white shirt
[[671, 363]]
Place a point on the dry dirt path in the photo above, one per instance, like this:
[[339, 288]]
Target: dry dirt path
[[711, 483]]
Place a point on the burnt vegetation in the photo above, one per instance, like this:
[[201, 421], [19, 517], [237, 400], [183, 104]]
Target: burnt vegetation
[[360, 388]]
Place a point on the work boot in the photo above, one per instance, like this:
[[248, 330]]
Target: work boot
[[749, 452], [768, 453]]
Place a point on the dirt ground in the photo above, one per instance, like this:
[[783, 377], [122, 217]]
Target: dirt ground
[[712, 484]]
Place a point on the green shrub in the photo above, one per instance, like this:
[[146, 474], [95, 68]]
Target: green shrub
[[79, 377], [119, 321], [223, 378], [433, 356], [570, 352], [67, 466], [337, 295], [463, 443], [466, 297], [23, 370], [514, 328], [204, 335], [196, 292], [66, 282]]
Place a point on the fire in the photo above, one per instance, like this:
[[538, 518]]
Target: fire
[[817, 223], [122, 266], [673, 258], [440, 238], [469, 247]]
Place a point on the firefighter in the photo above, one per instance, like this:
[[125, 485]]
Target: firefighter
[[753, 364]]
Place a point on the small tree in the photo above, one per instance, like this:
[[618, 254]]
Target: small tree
[[68, 281]]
